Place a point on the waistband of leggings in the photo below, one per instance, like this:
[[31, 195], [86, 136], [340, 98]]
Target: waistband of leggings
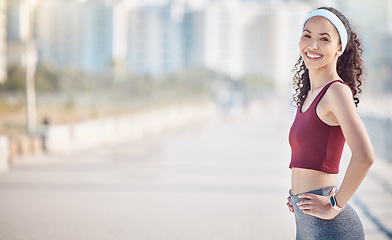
[[321, 191]]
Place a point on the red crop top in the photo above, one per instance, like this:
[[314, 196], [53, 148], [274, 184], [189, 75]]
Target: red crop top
[[314, 144]]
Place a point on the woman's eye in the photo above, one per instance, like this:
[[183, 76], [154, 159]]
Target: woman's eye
[[306, 36], [324, 39]]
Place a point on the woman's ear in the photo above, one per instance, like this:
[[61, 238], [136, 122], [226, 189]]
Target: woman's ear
[[339, 52]]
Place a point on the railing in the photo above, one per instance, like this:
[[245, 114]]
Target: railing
[[64, 139]]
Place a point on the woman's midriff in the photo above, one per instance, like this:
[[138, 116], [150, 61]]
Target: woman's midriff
[[305, 180]]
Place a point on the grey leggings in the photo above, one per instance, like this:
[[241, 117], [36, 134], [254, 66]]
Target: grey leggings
[[345, 226]]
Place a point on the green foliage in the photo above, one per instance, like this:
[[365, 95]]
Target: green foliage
[[15, 81], [72, 82], [257, 82], [47, 78]]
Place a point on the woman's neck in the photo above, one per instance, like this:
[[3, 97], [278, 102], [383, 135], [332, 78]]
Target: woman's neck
[[320, 77]]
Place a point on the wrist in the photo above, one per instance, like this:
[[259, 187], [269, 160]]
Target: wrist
[[339, 202], [334, 203]]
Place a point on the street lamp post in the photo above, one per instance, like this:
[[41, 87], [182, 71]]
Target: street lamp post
[[30, 58]]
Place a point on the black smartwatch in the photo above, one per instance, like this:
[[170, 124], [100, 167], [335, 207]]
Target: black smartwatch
[[332, 199]]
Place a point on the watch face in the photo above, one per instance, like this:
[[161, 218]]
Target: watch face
[[332, 199]]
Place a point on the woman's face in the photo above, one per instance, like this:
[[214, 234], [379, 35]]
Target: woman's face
[[320, 43]]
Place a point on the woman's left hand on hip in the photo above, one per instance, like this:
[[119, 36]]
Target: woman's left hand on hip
[[318, 206]]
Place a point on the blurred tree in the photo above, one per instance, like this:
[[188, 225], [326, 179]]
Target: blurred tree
[[15, 81], [73, 79], [257, 85], [257, 82], [47, 78]]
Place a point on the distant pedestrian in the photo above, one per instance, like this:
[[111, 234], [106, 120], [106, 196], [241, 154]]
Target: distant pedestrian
[[327, 83], [45, 126]]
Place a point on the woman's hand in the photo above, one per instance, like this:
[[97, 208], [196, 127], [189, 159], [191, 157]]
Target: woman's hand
[[318, 206], [289, 204]]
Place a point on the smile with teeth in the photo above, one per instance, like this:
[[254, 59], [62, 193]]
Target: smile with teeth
[[313, 55]]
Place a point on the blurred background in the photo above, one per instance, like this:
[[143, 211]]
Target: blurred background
[[88, 89], [64, 61]]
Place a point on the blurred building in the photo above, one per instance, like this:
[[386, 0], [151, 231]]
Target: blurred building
[[375, 27], [13, 24], [76, 33], [256, 54], [233, 37], [374, 16], [15, 47], [193, 36], [120, 38], [3, 40], [372, 20], [58, 34], [222, 37], [156, 38], [96, 35], [285, 21]]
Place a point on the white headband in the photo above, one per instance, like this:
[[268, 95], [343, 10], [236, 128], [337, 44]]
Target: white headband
[[334, 20]]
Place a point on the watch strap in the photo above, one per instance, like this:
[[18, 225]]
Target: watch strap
[[334, 205]]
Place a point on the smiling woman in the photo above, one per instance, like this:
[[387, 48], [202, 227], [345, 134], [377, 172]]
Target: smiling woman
[[327, 81], [349, 65]]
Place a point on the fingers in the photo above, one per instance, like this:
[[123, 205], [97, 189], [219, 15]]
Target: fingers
[[290, 206], [305, 207], [308, 195], [305, 202]]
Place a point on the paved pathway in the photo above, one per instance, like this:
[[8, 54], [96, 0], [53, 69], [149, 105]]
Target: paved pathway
[[223, 179]]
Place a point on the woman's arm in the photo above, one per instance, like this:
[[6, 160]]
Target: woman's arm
[[341, 106], [345, 112]]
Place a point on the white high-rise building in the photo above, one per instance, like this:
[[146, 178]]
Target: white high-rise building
[[222, 37], [245, 37], [155, 39], [227, 36], [58, 34], [372, 21], [389, 17], [13, 22], [3, 40], [120, 28], [76, 33], [256, 40], [370, 16], [192, 37], [96, 35], [284, 31]]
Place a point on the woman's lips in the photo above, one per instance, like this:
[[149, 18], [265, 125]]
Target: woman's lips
[[313, 56]]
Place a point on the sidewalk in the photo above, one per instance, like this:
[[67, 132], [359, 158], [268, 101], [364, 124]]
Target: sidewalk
[[225, 179]]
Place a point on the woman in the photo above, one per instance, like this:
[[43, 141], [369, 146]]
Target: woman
[[327, 81]]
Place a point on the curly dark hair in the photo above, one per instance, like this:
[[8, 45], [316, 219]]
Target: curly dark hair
[[349, 66]]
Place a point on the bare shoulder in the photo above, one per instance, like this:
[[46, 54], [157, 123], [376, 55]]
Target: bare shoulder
[[337, 104], [339, 89], [340, 95]]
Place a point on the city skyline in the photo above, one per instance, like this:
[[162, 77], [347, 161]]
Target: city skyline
[[157, 38], [160, 37]]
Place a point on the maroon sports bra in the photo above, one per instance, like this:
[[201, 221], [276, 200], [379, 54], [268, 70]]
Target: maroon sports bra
[[314, 144]]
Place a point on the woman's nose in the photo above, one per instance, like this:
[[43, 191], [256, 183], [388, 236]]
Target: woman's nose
[[313, 45]]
